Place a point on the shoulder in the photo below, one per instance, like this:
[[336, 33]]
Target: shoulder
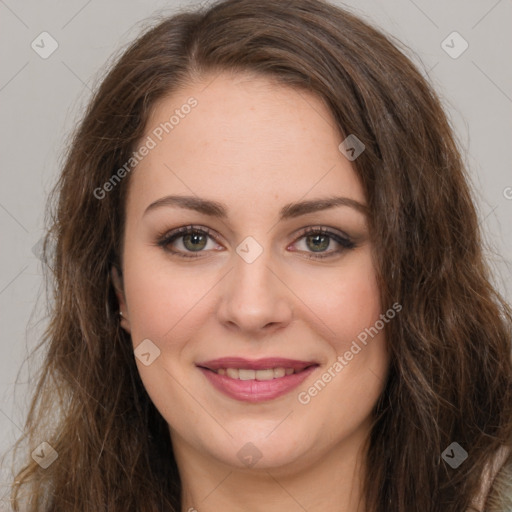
[[496, 489]]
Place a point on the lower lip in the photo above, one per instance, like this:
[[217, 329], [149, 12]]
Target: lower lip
[[256, 390]]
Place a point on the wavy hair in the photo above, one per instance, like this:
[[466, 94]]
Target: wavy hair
[[451, 371]]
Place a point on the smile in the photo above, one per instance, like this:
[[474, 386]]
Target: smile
[[247, 374], [256, 381]]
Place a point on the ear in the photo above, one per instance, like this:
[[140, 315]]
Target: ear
[[117, 280]]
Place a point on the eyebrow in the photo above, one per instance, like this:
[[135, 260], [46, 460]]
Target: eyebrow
[[289, 211]]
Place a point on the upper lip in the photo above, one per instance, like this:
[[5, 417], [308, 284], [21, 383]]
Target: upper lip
[[256, 364]]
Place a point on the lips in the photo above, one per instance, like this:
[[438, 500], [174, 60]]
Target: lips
[[256, 380]]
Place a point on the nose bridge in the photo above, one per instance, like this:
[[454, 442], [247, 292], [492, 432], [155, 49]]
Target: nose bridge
[[252, 275], [253, 297]]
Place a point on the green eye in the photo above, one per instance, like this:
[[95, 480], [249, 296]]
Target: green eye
[[318, 240], [195, 240]]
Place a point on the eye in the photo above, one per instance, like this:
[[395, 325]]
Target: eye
[[319, 239], [316, 241], [188, 239]]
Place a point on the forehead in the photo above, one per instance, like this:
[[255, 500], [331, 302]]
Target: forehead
[[245, 139]]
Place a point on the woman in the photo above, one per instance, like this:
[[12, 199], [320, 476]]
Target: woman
[[270, 289]]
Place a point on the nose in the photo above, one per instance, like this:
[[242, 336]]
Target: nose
[[255, 299]]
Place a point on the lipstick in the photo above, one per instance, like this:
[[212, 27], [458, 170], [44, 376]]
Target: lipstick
[[256, 380]]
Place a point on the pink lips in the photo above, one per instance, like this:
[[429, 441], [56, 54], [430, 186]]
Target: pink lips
[[256, 390]]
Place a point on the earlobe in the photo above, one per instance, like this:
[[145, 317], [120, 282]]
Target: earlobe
[[119, 290]]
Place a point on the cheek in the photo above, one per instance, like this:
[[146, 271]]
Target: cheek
[[348, 309], [344, 302], [165, 307], [162, 301]]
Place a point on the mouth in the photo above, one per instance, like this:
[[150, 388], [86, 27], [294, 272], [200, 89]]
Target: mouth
[[256, 380]]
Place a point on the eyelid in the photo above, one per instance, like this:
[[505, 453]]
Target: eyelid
[[321, 229], [345, 241], [166, 237], [341, 238]]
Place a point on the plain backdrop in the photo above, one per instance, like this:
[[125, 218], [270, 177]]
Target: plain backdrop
[[42, 99]]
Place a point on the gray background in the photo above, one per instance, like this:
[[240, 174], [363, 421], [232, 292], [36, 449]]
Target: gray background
[[41, 101]]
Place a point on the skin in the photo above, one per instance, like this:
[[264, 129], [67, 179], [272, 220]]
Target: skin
[[254, 146]]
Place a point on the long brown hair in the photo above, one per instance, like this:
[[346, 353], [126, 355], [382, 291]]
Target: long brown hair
[[451, 373]]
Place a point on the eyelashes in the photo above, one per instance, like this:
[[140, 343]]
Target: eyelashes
[[321, 234], [187, 233], [198, 237]]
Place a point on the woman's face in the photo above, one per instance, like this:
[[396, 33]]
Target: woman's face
[[226, 312]]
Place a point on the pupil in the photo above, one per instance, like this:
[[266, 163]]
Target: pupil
[[320, 242], [194, 239]]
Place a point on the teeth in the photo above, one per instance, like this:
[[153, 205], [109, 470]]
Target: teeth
[[265, 374], [279, 372], [232, 373], [246, 374]]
